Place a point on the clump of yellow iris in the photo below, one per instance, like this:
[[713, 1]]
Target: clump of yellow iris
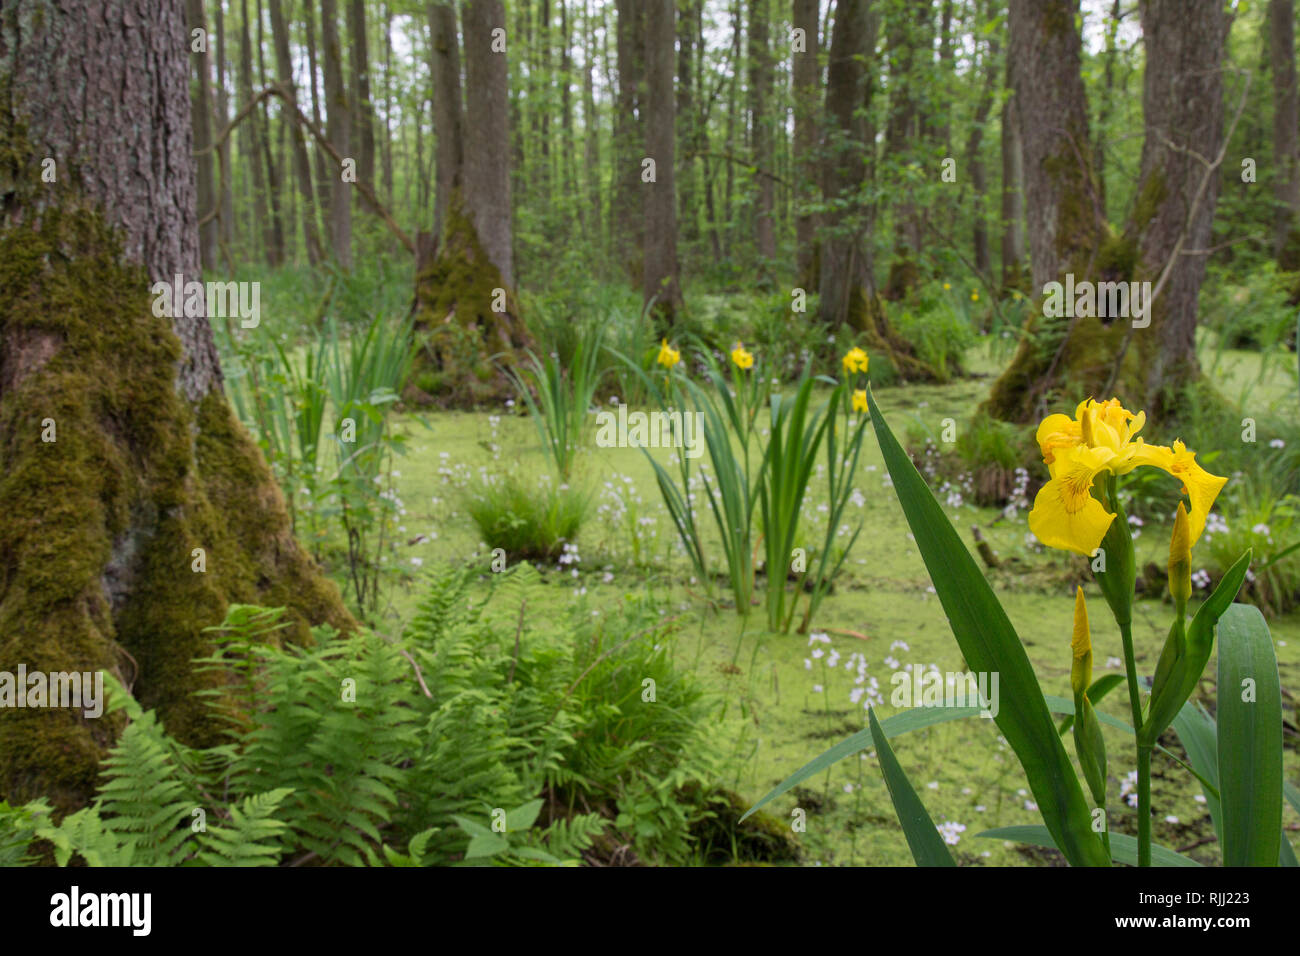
[[855, 360], [744, 360], [668, 356], [1102, 438]]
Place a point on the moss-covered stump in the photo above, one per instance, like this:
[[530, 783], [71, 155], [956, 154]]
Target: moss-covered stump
[[721, 837], [110, 480], [467, 322]]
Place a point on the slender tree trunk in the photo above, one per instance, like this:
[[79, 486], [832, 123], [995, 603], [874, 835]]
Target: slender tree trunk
[[975, 163], [591, 120], [301, 161], [324, 191], [363, 119], [202, 120], [227, 229], [338, 130], [661, 279], [687, 208], [760, 83], [250, 138], [906, 40], [627, 220], [806, 79], [844, 277], [1286, 152], [1182, 105], [447, 108], [123, 462], [387, 144], [276, 253], [1013, 199], [568, 174]]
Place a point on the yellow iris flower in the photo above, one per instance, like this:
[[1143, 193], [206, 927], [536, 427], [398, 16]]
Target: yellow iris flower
[[855, 360], [1102, 437], [743, 359], [668, 356], [860, 400], [1080, 647]]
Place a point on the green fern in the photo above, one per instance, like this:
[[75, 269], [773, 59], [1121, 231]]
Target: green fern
[[253, 836]]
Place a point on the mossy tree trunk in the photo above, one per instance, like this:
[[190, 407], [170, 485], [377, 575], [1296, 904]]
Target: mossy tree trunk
[[466, 314], [1065, 359], [121, 455]]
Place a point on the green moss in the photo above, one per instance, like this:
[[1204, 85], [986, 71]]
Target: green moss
[[462, 338], [95, 549]]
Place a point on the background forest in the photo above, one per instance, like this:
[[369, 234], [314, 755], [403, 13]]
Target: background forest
[[368, 582]]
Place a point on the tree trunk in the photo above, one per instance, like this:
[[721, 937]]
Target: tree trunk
[[1182, 103], [686, 117], [324, 191], [202, 120], [301, 161], [226, 234], [464, 304], [591, 120], [844, 277], [626, 213], [338, 130], [1286, 154], [275, 255], [907, 41], [760, 91], [144, 462], [363, 118], [807, 83], [1066, 358], [250, 144], [975, 162], [447, 108], [1013, 199], [660, 285]]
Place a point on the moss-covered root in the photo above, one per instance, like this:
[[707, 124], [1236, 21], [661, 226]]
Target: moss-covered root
[[467, 322], [110, 483]]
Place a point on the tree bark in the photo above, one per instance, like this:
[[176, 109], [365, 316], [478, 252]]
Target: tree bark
[[660, 285], [202, 120], [447, 108], [363, 120], [301, 161], [626, 211], [338, 129], [1286, 152], [1067, 358], [1013, 200], [806, 79], [275, 255], [760, 91], [147, 462], [1182, 105], [464, 304]]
